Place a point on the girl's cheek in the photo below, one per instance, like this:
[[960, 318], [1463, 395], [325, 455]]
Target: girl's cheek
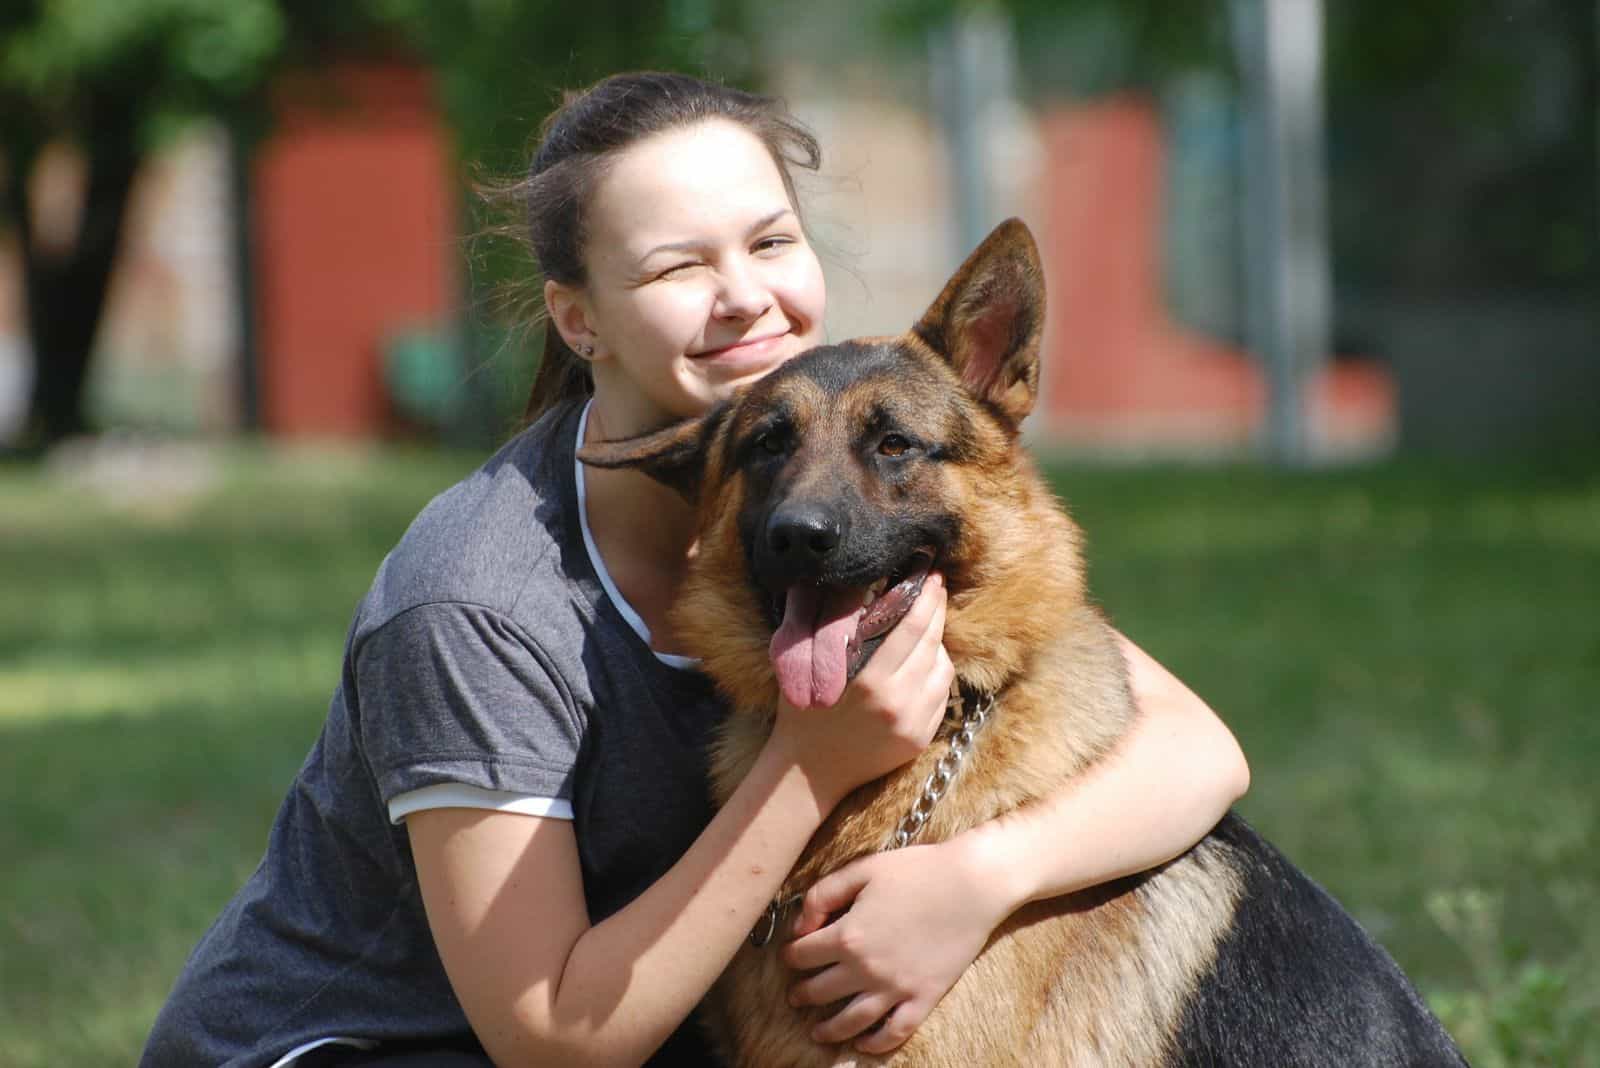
[[802, 272], [802, 293], [679, 313]]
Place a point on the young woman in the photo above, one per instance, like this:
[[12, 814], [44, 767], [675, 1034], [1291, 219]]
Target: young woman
[[500, 847]]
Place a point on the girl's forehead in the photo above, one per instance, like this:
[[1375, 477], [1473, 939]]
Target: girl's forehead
[[692, 183]]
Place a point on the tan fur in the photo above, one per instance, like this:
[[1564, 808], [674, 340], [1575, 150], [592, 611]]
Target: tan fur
[[1097, 978]]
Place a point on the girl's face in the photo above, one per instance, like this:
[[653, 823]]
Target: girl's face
[[700, 277]]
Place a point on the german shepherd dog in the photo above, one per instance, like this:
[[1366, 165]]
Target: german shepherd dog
[[825, 492]]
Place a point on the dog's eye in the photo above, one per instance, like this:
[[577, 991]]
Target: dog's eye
[[770, 442], [893, 445]]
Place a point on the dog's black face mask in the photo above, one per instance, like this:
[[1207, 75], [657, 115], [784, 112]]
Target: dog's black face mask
[[843, 514]]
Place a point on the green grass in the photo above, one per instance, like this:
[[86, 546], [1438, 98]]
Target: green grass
[[1410, 655]]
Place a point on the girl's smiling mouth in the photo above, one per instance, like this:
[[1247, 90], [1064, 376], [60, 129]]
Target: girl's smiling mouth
[[756, 346]]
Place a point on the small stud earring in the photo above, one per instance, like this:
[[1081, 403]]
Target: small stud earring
[[586, 351]]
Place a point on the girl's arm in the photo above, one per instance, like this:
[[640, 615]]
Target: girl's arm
[[1156, 794], [504, 892]]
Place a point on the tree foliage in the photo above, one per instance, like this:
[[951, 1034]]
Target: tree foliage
[[63, 62]]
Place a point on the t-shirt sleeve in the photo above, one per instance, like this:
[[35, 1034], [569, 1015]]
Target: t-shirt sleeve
[[457, 693]]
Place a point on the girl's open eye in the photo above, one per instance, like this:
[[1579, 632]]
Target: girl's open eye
[[893, 445], [774, 243]]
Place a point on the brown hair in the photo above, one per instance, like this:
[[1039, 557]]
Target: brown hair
[[575, 144]]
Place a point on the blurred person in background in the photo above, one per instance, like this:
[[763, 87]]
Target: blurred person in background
[[500, 848]]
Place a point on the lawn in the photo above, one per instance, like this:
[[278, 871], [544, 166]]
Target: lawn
[[1410, 655]]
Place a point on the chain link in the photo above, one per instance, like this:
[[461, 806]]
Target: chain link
[[973, 714], [772, 919]]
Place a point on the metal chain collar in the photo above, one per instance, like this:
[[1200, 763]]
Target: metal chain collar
[[972, 716], [969, 713]]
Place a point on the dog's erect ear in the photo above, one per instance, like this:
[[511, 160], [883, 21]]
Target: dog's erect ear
[[989, 320], [674, 456]]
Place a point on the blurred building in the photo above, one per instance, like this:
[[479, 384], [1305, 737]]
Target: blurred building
[[352, 244], [1133, 202], [354, 238], [1465, 237]]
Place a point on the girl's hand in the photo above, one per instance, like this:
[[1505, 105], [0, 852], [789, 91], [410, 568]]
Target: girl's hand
[[886, 716], [917, 917]]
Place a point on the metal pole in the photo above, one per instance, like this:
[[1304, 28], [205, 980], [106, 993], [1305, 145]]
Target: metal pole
[[1280, 50], [968, 70]]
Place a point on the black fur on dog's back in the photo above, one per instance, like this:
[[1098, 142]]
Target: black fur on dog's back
[[1297, 981]]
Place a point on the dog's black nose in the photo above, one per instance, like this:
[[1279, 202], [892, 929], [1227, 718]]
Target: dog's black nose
[[803, 534]]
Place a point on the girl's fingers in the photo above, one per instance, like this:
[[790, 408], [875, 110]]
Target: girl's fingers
[[932, 688], [911, 632], [939, 672], [831, 894], [853, 1019], [814, 950], [898, 1026], [932, 633], [824, 988], [912, 671]]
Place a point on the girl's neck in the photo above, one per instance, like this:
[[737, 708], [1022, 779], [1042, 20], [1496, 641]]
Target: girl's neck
[[652, 521], [644, 532], [628, 510]]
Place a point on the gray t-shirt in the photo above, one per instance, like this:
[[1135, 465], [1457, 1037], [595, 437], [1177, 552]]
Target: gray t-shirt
[[488, 654]]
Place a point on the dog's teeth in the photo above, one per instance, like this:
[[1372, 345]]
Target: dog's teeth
[[868, 597]]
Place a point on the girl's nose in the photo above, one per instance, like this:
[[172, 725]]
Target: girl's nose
[[743, 295]]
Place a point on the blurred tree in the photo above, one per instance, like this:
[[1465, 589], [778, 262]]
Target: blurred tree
[[112, 78], [1469, 129], [107, 77]]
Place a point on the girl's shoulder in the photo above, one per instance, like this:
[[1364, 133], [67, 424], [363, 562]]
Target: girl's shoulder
[[505, 533]]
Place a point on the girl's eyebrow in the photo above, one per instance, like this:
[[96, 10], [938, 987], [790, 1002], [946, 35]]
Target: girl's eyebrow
[[767, 220], [692, 246]]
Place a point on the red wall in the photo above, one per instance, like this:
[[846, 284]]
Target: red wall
[[354, 237], [1123, 373]]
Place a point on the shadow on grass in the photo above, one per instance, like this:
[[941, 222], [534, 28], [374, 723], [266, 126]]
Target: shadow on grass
[[126, 834]]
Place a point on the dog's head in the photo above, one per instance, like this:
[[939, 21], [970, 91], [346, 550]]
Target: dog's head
[[828, 490]]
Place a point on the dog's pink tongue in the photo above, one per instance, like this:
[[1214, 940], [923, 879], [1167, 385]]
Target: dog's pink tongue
[[808, 650]]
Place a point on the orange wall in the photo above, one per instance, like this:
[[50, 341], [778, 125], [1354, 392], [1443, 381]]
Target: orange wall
[[354, 237]]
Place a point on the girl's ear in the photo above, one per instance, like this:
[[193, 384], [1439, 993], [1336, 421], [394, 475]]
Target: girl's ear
[[569, 314]]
